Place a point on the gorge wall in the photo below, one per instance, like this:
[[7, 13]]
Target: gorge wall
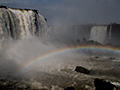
[[72, 34], [69, 33]]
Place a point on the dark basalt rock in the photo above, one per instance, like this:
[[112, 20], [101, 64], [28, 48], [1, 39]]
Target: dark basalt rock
[[112, 58], [26, 9], [97, 57], [3, 7], [45, 19], [103, 85], [36, 11], [82, 70], [69, 88]]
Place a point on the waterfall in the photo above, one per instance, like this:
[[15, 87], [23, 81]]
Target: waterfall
[[20, 23], [99, 34], [110, 32]]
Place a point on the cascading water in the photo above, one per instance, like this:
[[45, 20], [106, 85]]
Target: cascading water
[[34, 65], [110, 32], [99, 34], [20, 23]]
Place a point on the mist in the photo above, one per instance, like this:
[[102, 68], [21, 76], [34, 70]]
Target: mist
[[17, 55]]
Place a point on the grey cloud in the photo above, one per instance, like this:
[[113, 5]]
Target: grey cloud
[[73, 11]]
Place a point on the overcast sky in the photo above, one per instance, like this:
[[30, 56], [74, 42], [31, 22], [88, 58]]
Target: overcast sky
[[72, 11]]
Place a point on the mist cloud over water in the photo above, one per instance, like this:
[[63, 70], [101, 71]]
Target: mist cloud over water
[[18, 53], [17, 56]]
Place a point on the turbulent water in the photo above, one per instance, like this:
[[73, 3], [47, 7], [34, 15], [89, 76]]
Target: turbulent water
[[55, 71]]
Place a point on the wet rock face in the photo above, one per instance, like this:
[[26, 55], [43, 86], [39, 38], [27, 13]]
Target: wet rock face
[[103, 85], [3, 7], [13, 85], [112, 58], [70, 88], [82, 70]]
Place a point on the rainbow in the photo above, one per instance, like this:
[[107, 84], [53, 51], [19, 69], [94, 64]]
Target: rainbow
[[67, 49]]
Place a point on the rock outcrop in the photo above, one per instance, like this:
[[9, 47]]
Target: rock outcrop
[[103, 85], [82, 70]]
